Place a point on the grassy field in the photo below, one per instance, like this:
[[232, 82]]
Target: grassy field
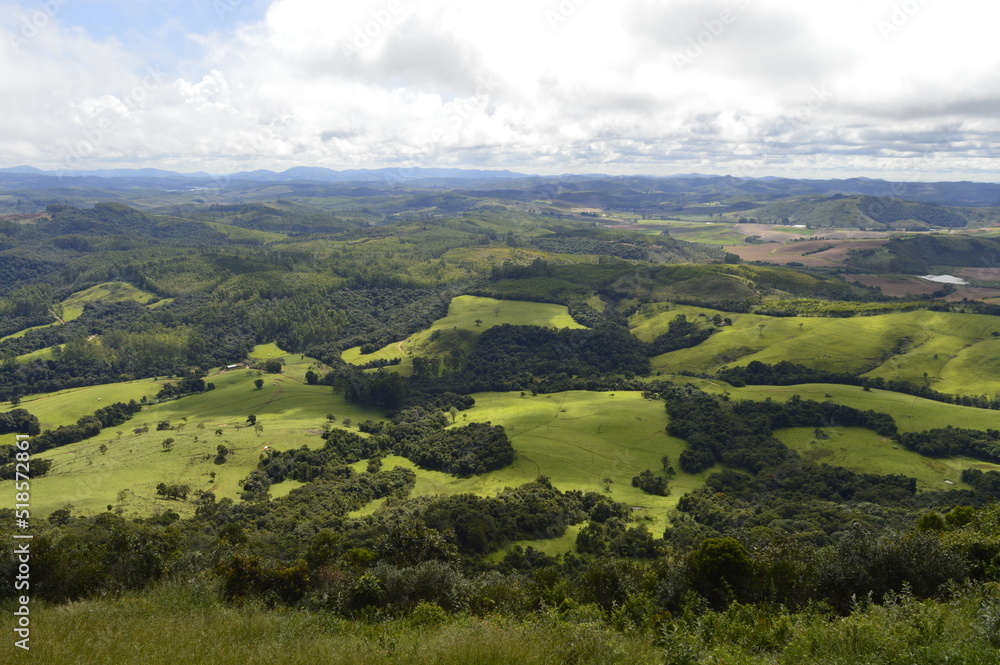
[[957, 352], [292, 415], [67, 406], [459, 328], [912, 414], [575, 438], [239, 233], [865, 451], [72, 308]]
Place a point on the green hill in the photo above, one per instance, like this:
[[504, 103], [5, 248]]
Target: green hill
[[467, 317], [950, 352]]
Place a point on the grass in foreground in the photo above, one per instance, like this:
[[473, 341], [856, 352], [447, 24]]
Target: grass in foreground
[[175, 623]]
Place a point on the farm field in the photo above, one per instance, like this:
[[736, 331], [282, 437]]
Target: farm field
[[958, 352], [460, 322], [865, 451], [826, 253], [896, 286]]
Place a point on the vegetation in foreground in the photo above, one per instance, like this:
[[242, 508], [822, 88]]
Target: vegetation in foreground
[[185, 622]]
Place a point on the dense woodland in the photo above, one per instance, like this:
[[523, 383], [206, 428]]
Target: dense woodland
[[767, 530]]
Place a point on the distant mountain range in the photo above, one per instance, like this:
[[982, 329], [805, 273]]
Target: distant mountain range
[[296, 174], [619, 192]]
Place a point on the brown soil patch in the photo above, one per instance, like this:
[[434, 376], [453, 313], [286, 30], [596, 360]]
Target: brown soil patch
[[24, 217], [839, 252], [796, 251], [897, 287], [774, 253], [972, 293], [981, 274]]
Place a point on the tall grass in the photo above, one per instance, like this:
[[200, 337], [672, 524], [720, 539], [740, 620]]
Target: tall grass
[[185, 623]]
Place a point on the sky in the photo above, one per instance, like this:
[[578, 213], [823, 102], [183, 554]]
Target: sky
[[895, 89]]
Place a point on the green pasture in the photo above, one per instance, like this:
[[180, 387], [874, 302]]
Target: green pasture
[[72, 307], [65, 407], [458, 328], [950, 352], [912, 414], [292, 414], [239, 233], [22, 333], [576, 439], [703, 228], [865, 451], [41, 354]]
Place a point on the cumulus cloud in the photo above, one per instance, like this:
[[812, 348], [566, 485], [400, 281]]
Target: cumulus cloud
[[858, 87]]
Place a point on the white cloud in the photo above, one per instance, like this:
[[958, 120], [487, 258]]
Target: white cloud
[[654, 86]]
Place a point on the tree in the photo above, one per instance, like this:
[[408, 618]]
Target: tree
[[251, 419], [259, 383], [931, 521], [668, 468], [650, 483], [478, 322], [15, 400], [761, 326], [103, 448], [608, 482], [720, 568], [222, 451], [168, 443], [272, 366]]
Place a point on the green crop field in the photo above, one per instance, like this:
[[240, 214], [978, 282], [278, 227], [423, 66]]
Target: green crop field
[[957, 352], [865, 451], [459, 327]]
